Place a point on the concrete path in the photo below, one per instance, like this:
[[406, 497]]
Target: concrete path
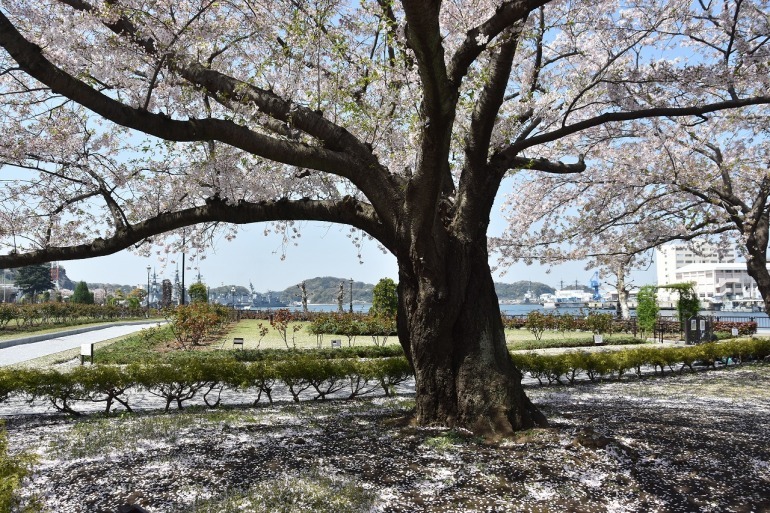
[[61, 342]]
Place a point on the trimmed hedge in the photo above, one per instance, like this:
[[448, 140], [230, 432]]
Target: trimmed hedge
[[744, 328], [38, 315], [567, 367], [257, 355], [186, 376], [573, 343], [183, 377]]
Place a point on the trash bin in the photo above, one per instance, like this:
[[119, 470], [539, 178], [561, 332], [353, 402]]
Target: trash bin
[[697, 329]]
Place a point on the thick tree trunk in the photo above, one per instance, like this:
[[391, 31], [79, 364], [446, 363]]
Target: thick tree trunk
[[756, 256], [449, 324], [756, 265]]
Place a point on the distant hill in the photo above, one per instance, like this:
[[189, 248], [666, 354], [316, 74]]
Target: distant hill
[[324, 290], [516, 290]]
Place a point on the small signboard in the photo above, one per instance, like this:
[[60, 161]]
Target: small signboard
[[336, 343], [86, 351], [735, 332], [698, 330]]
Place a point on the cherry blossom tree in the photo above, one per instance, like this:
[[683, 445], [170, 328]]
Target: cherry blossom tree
[[125, 121], [726, 168], [709, 183]]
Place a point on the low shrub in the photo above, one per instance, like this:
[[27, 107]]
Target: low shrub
[[604, 364], [352, 325], [744, 328], [572, 343], [182, 377], [30, 317], [193, 324]]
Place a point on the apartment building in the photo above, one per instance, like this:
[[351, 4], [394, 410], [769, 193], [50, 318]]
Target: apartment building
[[714, 271]]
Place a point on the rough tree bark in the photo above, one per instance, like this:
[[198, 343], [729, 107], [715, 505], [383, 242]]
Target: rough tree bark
[[758, 233], [450, 327]]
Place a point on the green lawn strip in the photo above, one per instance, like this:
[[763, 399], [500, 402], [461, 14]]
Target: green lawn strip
[[139, 346], [12, 332], [248, 330], [70, 354], [582, 340]]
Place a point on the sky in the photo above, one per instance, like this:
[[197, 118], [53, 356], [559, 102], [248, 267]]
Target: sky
[[324, 250]]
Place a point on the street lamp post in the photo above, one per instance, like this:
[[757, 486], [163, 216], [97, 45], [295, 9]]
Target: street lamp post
[[232, 293], [351, 295], [148, 290]]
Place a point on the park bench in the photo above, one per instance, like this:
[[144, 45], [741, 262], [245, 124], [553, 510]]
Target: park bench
[[238, 341]]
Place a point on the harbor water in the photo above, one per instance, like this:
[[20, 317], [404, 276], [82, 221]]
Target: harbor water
[[523, 309]]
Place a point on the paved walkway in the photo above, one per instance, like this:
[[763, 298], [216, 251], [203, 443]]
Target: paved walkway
[[62, 342]]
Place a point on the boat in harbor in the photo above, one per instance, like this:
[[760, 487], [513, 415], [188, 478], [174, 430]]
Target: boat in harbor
[[743, 305], [713, 304], [567, 298]]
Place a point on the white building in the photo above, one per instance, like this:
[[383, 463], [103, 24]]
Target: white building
[[715, 273], [720, 280], [671, 257]]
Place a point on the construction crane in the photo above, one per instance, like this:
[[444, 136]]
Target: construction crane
[[594, 284]]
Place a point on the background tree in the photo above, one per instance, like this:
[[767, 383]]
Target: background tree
[[303, 295], [82, 294], [137, 293], [166, 293], [384, 298], [688, 304], [198, 293], [399, 119], [34, 278], [340, 296], [647, 308], [709, 184]]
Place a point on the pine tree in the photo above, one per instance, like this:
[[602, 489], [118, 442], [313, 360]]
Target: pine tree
[[82, 294], [34, 278]]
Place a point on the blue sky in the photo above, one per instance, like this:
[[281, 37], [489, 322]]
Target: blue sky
[[324, 250]]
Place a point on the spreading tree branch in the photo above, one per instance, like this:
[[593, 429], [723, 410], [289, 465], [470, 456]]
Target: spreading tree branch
[[346, 211]]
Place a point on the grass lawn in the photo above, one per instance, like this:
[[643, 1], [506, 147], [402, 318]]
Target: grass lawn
[[71, 354], [249, 330]]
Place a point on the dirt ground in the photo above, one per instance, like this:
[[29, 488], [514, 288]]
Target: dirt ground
[[691, 443]]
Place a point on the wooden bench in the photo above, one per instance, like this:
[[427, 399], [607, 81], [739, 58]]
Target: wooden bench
[[238, 341]]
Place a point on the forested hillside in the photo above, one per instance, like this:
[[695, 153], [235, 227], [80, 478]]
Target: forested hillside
[[324, 290], [517, 290]]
